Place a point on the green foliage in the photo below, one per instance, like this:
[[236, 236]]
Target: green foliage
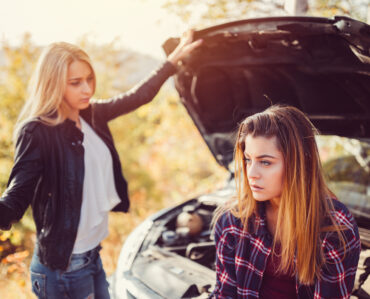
[[211, 12], [163, 155], [19, 63], [329, 8]]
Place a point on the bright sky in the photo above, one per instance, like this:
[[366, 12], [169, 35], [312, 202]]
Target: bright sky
[[142, 25]]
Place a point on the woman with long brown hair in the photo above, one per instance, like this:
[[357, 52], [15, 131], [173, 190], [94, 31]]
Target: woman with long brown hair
[[285, 235]]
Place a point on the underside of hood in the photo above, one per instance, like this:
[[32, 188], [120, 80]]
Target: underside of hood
[[319, 65]]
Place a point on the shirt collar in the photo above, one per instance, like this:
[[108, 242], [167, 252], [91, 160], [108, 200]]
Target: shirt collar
[[260, 224]]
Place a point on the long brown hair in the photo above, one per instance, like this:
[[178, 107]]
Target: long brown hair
[[305, 199]]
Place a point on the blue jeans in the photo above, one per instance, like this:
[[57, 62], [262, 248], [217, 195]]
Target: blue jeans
[[84, 278]]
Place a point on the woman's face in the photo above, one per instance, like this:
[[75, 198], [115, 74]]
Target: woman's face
[[265, 167], [80, 85]]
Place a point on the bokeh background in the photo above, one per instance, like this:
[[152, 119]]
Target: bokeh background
[[163, 155]]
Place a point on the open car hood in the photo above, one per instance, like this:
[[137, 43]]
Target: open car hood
[[320, 65]]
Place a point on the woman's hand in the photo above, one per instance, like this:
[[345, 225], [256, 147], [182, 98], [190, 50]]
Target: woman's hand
[[185, 46]]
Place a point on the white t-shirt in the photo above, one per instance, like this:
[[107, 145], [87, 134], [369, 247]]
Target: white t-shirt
[[99, 192]]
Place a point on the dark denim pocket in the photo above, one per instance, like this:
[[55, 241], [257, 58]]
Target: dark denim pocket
[[38, 284], [77, 263]]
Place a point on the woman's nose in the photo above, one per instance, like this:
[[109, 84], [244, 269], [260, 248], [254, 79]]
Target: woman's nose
[[86, 87], [252, 170]]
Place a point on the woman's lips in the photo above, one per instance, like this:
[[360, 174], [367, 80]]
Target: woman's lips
[[256, 188], [85, 100]]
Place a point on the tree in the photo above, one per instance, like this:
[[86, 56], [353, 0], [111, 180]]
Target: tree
[[209, 12], [15, 72]]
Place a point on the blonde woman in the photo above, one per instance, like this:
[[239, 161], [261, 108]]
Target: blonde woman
[[285, 235], [67, 168]]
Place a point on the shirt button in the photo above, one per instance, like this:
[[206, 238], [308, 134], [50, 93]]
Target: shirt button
[[49, 194], [73, 143]]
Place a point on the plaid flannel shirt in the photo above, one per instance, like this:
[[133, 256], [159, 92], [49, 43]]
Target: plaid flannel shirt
[[241, 258]]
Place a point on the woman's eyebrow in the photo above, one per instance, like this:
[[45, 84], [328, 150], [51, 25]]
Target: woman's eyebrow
[[262, 156], [79, 78], [266, 156]]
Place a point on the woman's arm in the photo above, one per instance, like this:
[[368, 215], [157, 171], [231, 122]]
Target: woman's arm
[[23, 178], [226, 286], [339, 270], [139, 95], [145, 91]]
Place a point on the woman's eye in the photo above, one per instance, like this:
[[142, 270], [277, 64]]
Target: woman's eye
[[265, 163], [75, 83], [247, 160]]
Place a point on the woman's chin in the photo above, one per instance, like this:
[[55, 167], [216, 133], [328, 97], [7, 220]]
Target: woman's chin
[[258, 197], [84, 105]]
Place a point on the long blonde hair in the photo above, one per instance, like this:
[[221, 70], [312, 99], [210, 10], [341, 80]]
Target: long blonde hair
[[305, 199], [48, 84]]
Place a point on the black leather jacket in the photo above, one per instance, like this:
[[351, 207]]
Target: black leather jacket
[[48, 171]]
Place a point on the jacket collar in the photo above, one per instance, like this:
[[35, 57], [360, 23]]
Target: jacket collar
[[69, 129], [71, 132]]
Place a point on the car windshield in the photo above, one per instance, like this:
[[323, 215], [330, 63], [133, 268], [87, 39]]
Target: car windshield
[[346, 163]]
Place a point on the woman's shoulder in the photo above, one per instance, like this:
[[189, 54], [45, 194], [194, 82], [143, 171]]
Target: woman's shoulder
[[346, 241], [227, 218], [31, 125], [35, 125], [32, 130], [229, 231], [228, 224], [345, 222], [341, 214]]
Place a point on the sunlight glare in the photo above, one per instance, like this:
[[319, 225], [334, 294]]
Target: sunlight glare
[[140, 25]]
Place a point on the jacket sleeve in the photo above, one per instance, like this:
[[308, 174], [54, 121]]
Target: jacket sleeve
[[226, 286], [23, 179], [139, 95], [339, 270]]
